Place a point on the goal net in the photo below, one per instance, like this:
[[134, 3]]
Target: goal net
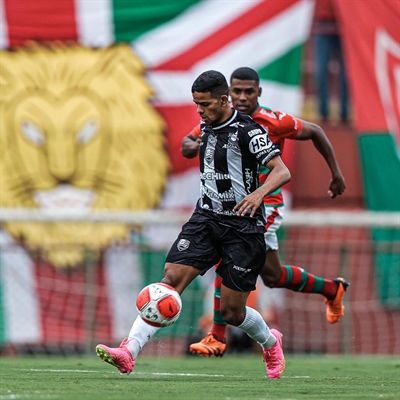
[[47, 308]]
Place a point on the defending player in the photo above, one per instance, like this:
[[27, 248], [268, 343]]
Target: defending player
[[244, 93]]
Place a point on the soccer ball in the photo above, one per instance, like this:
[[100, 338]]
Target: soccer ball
[[159, 304]]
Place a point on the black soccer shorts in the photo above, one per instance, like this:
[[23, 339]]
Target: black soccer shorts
[[203, 242]]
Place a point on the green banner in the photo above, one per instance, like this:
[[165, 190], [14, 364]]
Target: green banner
[[381, 170], [132, 19], [381, 176]]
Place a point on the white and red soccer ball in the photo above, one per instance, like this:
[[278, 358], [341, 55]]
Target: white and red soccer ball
[[159, 304]]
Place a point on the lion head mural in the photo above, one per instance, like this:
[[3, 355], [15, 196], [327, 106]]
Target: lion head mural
[[77, 131]]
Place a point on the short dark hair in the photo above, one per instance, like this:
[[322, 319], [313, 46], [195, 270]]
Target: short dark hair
[[213, 82], [245, 74]]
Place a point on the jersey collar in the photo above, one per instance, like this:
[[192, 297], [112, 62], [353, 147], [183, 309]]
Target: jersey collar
[[227, 122]]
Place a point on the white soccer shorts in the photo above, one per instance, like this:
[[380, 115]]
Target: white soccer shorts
[[274, 218]]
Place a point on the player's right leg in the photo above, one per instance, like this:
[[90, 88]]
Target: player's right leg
[[124, 356], [119, 357]]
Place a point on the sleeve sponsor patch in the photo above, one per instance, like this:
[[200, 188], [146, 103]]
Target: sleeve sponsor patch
[[259, 143]]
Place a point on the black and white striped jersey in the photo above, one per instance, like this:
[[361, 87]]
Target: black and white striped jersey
[[230, 155]]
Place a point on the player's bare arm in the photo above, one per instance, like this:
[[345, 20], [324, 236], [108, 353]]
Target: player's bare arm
[[279, 176], [190, 146], [315, 133]]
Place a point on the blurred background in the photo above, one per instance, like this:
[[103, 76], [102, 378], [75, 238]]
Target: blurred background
[[95, 99]]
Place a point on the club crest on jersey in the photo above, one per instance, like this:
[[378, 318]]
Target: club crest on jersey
[[183, 244], [232, 142], [233, 136]]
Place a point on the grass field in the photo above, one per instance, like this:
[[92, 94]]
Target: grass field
[[232, 377]]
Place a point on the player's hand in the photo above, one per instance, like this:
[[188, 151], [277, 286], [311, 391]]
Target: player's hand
[[190, 146], [191, 141], [336, 187], [250, 203]]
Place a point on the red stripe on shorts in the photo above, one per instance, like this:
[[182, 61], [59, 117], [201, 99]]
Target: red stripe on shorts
[[271, 218]]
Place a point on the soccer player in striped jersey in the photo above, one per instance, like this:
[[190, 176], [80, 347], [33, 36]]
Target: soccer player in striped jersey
[[244, 92], [227, 225]]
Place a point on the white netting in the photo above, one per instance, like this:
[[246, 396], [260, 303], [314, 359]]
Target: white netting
[[168, 217], [55, 309]]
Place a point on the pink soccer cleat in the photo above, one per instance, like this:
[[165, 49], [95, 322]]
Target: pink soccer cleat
[[274, 358], [119, 357]]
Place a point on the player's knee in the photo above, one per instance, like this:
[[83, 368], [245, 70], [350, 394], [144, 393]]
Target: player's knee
[[179, 276], [270, 280], [232, 316], [271, 274]]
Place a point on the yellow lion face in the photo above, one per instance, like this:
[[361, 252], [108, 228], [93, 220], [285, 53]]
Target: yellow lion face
[[77, 130]]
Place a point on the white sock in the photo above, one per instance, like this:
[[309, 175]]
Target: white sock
[[255, 326], [140, 333]]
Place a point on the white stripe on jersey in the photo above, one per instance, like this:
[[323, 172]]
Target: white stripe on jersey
[[234, 158], [210, 185]]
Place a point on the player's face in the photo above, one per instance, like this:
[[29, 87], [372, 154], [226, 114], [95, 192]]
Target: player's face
[[244, 95], [210, 109]]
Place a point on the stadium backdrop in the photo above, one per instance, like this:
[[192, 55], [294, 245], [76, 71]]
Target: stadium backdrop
[[123, 70]]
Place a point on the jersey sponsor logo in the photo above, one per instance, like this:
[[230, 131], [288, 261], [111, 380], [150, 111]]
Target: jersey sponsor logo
[[231, 146], [220, 212], [248, 178], [229, 195], [254, 132], [183, 244], [271, 114], [214, 176], [261, 154], [282, 115], [259, 143], [268, 113]]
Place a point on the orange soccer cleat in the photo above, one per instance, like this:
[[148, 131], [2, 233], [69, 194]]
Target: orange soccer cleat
[[335, 307], [209, 346]]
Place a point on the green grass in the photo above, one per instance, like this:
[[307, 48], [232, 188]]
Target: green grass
[[232, 377]]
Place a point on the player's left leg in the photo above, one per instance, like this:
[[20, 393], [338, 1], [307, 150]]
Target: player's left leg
[[251, 322], [215, 341], [243, 259], [276, 275]]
